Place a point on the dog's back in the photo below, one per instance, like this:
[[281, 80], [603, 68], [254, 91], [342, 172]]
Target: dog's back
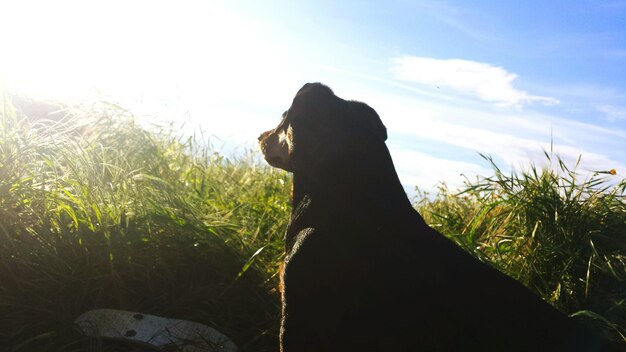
[[361, 279]]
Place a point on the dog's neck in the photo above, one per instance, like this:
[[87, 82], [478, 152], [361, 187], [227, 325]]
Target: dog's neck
[[344, 185]]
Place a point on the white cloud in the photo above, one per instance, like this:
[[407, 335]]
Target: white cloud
[[488, 83], [515, 140], [613, 113], [509, 152], [426, 171]]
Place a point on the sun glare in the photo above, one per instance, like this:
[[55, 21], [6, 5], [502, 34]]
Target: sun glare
[[71, 50], [197, 64]]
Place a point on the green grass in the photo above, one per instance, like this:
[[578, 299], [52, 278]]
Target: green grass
[[561, 235], [97, 211]]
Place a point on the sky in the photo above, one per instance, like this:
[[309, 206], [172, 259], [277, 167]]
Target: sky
[[449, 79]]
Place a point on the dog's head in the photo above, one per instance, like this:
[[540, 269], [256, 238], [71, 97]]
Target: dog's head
[[320, 126]]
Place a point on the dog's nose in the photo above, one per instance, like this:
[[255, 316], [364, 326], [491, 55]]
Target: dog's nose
[[262, 135]]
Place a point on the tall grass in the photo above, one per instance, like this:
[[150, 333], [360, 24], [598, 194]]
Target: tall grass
[[97, 212], [561, 234]]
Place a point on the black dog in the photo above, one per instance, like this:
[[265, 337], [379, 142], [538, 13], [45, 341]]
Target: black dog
[[363, 271]]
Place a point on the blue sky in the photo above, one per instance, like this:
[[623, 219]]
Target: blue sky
[[450, 79]]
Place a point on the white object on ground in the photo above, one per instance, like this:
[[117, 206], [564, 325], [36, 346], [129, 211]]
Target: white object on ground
[[156, 332]]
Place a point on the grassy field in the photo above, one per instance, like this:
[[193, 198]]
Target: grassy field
[[561, 235], [97, 211]]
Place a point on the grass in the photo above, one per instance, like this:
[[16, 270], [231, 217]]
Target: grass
[[562, 235], [97, 211]]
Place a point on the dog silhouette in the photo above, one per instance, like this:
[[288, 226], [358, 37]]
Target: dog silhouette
[[364, 272]]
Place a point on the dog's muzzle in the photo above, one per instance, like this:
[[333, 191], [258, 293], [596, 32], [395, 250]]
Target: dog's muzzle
[[276, 149]]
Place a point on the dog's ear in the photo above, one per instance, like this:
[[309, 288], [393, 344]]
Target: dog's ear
[[367, 120]]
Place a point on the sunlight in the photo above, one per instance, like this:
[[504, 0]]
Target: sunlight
[[73, 49], [52, 52], [218, 67]]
